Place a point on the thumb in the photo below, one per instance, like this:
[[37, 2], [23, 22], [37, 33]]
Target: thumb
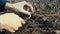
[[25, 12]]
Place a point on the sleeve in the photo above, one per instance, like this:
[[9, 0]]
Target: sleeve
[[2, 4]]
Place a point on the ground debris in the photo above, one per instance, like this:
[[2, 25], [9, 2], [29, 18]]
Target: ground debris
[[45, 20]]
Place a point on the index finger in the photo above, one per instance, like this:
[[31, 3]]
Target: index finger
[[29, 7]]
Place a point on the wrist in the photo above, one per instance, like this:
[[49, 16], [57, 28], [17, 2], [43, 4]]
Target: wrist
[[9, 5]]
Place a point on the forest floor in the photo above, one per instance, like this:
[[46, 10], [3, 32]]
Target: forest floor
[[45, 20]]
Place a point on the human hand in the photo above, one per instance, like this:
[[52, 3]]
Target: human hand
[[11, 22], [19, 7]]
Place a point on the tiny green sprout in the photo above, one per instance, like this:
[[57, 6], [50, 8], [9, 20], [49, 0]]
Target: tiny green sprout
[[51, 5]]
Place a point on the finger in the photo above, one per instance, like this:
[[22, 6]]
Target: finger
[[22, 21], [25, 12], [11, 29], [19, 24], [30, 7]]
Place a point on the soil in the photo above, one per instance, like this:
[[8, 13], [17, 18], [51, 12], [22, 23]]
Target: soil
[[45, 20]]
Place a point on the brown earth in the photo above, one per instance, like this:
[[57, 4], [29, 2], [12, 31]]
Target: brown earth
[[43, 21]]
